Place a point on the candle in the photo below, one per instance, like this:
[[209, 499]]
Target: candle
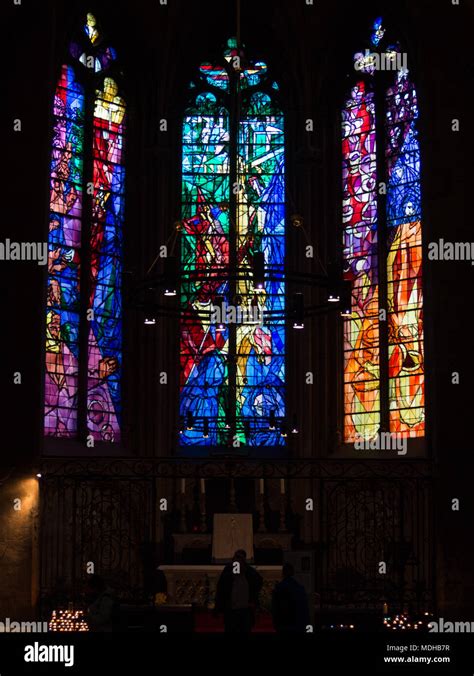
[[262, 487], [282, 486], [203, 487], [183, 486]]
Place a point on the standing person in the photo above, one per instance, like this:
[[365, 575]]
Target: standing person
[[237, 594], [102, 606], [289, 603]]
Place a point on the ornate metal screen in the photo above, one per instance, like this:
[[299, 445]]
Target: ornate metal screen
[[107, 512]]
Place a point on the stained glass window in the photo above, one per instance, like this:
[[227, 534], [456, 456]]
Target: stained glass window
[[83, 313], [232, 373], [404, 261], [63, 298], [383, 383], [361, 331]]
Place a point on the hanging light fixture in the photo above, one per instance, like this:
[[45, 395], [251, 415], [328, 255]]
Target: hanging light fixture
[[150, 317], [258, 269], [171, 276], [346, 299], [150, 307], [333, 285], [294, 427], [298, 311], [252, 275], [219, 307]]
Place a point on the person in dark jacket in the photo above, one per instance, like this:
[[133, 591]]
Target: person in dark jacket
[[102, 605], [289, 604], [237, 594]]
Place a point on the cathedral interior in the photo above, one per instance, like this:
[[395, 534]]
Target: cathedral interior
[[185, 158]]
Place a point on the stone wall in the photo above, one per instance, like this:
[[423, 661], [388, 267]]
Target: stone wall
[[18, 551]]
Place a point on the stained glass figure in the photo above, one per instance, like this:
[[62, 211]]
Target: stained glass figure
[[92, 53], [363, 251], [104, 362], [232, 375], [404, 261], [361, 331], [71, 274], [65, 223]]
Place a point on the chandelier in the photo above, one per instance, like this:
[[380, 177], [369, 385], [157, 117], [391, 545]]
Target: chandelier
[[157, 298], [156, 295], [229, 290]]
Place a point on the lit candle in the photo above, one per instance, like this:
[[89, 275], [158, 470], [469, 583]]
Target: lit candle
[[183, 486], [262, 487], [282, 486], [203, 487]]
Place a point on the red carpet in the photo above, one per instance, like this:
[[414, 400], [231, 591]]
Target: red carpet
[[207, 623]]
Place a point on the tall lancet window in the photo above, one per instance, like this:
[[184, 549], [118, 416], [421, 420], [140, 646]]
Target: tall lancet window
[[382, 241], [232, 257], [83, 306]]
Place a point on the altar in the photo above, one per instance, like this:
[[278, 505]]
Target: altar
[[231, 532], [195, 581], [197, 584]]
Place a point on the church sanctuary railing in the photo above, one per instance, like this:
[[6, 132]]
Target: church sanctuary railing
[[233, 467], [107, 512]]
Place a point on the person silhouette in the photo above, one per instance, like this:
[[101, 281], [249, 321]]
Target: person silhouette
[[289, 603], [237, 594]]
